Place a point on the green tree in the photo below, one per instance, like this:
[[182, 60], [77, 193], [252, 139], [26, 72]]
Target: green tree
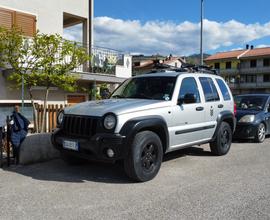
[[44, 60]]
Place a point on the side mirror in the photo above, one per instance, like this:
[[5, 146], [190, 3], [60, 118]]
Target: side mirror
[[189, 98]]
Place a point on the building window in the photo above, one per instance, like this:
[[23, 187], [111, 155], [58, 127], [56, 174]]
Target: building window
[[217, 66], [228, 65], [24, 22], [266, 62], [266, 78], [248, 79], [253, 63]]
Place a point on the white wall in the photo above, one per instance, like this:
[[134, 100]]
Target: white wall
[[49, 13], [124, 71], [9, 94]]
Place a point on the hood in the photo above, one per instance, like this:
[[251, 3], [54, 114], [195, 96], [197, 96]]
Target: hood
[[240, 113], [116, 106]]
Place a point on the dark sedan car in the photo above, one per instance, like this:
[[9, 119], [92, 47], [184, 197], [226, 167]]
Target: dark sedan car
[[253, 116]]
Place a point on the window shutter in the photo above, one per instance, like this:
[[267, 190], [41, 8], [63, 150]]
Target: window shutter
[[26, 23], [6, 18]]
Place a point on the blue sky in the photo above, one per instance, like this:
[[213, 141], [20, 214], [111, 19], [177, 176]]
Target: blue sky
[[247, 11], [172, 26]]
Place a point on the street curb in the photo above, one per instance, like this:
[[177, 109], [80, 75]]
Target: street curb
[[37, 148]]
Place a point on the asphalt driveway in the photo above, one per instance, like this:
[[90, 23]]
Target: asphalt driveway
[[191, 184]]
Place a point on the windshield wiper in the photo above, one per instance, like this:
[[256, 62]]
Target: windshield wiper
[[118, 96]]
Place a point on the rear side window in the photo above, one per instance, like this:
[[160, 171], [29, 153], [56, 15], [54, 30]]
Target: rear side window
[[224, 90], [209, 89]]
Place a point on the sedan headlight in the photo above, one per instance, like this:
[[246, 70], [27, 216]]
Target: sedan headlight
[[247, 119], [60, 117], [109, 121]]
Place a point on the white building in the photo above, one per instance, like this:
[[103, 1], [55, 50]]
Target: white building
[[51, 17]]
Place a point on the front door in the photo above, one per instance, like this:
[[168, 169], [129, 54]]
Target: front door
[[188, 116]]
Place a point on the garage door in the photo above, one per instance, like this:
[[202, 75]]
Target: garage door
[[74, 99]]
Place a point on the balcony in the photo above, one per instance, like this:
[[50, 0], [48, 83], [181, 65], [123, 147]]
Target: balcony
[[257, 85], [233, 71], [106, 65], [103, 61], [255, 70]]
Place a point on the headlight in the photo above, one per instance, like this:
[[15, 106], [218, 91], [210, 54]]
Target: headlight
[[60, 117], [247, 119], [109, 121]]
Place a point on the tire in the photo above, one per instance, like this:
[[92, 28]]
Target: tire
[[145, 157], [221, 145], [260, 133], [72, 160]]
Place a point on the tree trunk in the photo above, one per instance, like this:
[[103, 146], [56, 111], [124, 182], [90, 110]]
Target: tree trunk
[[44, 121], [34, 111]]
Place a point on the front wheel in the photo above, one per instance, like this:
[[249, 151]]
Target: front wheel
[[145, 157], [260, 133], [221, 145]]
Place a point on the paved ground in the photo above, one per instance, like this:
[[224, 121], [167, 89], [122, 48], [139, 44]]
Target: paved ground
[[192, 184]]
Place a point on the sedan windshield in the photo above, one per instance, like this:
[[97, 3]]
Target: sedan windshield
[[251, 102], [159, 88]]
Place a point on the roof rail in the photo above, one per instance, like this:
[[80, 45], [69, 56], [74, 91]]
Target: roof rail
[[192, 68]]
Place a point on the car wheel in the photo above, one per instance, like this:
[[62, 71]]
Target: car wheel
[[221, 145], [145, 157], [260, 133], [72, 160]]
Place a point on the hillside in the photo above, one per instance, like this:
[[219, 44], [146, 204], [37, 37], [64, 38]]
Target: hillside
[[195, 58]]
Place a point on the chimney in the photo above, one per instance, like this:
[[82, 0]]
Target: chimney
[[251, 47], [247, 46]]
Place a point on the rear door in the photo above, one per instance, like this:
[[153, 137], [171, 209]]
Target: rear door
[[213, 105]]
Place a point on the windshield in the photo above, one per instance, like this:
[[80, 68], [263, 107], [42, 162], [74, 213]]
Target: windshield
[[159, 88], [250, 102]]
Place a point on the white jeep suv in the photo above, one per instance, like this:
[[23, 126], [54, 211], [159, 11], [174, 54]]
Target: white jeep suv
[[146, 117]]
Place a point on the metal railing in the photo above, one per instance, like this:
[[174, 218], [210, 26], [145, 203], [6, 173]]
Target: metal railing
[[103, 60], [255, 70]]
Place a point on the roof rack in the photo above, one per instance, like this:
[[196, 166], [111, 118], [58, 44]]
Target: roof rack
[[191, 68]]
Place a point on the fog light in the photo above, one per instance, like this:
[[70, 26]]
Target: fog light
[[110, 153]]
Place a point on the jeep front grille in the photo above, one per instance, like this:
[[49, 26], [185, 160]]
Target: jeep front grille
[[79, 125]]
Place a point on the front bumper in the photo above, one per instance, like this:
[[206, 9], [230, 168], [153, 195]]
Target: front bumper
[[93, 148], [245, 131]]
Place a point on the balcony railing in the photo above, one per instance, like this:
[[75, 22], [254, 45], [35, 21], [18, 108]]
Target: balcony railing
[[103, 60], [232, 71], [255, 70], [255, 85]]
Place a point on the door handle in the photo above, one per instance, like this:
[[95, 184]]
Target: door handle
[[199, 108], [220, 106]]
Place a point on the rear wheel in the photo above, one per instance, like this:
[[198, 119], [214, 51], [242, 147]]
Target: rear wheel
[[260, 133], [145, 157], [221, 145]]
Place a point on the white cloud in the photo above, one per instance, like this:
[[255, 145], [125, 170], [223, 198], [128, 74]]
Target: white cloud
[[262, 45], [168, 37], [73, 33]]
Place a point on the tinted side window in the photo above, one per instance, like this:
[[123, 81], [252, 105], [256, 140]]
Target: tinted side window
[[223, 89], [209, 89], [189, 86]]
